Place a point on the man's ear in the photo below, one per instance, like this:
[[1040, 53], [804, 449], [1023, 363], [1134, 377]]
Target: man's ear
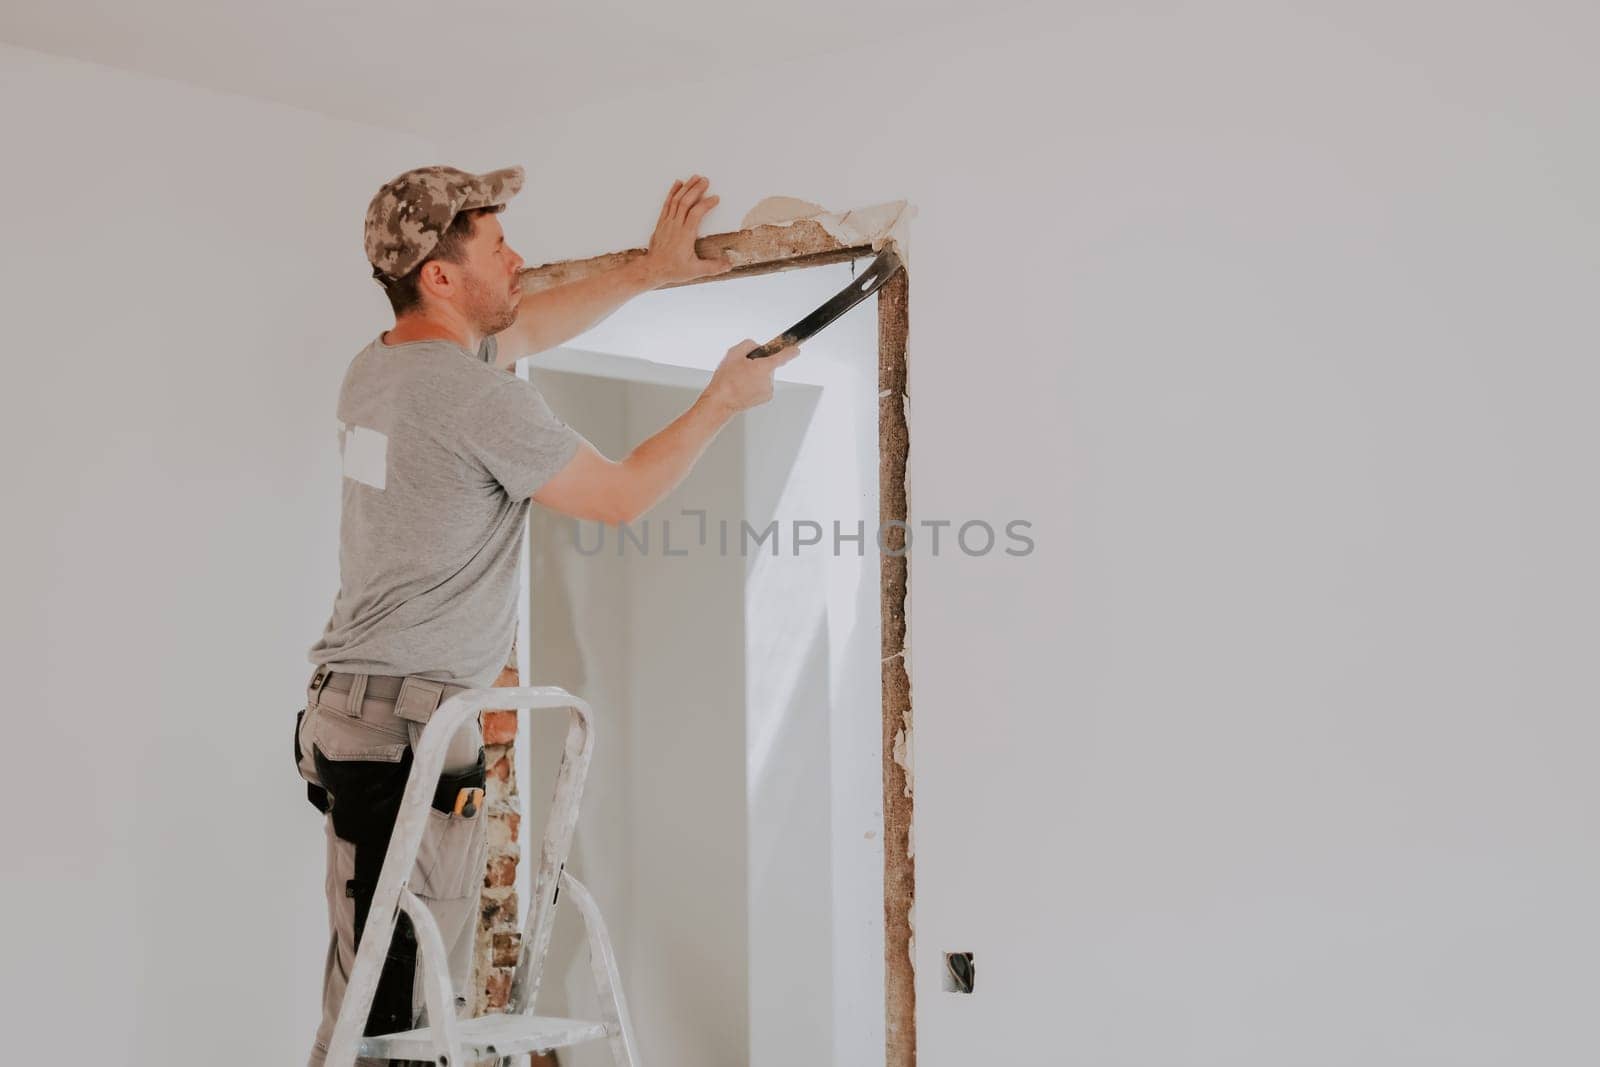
[[434, 278]]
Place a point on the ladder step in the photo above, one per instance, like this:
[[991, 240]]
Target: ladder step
[[488, 1035]]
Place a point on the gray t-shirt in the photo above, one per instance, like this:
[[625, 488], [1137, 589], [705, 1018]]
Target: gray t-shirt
[[441, 451]]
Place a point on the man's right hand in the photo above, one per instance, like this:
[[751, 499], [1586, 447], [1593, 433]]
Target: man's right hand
[[739, 383], [591, 486]]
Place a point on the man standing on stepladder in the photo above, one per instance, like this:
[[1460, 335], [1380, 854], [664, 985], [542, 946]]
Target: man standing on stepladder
[[443, 446]]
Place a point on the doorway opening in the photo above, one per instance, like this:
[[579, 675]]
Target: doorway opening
[[740, 644]]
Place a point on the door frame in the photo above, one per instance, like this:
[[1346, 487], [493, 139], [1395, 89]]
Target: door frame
[[794, 246]]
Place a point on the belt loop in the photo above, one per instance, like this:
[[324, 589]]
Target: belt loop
[[417, 699], [357, 694]]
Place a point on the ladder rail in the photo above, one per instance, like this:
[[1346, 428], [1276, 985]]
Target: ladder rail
[[416, 802], [438, 995], [607, 976], [560, 826]]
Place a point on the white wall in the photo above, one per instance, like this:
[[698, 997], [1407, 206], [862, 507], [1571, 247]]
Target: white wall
[[662, 831], [1278, 327], [184, 285]]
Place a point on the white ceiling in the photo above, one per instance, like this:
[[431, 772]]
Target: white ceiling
[[466, 64]]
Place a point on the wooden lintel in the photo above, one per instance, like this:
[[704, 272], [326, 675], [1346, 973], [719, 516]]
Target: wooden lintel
[[761, 250]]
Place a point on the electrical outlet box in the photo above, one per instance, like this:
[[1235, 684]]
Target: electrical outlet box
[[959, 974]]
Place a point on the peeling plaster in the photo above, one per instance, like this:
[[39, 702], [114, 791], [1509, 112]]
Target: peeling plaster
[[902, 751], [909, 760], [877, 225], [779, 211]]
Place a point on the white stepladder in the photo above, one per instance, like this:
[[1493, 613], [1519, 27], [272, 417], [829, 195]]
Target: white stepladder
[[447, 1040]]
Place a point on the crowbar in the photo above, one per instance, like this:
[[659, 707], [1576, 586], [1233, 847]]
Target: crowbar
[[880, 270]]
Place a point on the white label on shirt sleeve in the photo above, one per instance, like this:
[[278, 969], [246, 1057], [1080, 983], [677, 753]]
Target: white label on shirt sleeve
[[366, 456]]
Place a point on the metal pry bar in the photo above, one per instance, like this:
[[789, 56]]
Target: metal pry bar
[[880, 270]]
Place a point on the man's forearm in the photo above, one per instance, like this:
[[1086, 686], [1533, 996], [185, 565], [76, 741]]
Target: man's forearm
[[554, 316], [659, 463]]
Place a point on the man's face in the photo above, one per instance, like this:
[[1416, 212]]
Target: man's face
[[489, 291]]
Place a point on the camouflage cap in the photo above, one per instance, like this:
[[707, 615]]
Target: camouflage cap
[[411, 211]]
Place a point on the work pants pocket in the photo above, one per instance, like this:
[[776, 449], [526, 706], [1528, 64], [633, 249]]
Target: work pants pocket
[[365, 798], [315, 793], [454, 848]]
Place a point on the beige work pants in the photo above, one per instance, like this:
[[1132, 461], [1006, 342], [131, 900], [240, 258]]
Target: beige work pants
[[352, 743]]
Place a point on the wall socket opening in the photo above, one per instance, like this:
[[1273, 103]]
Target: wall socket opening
[[959, 973]]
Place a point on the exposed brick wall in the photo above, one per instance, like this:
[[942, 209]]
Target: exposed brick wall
[[499, 936], [498, 932]]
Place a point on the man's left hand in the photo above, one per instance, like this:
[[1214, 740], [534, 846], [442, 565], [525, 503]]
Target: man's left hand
[[672, 256]]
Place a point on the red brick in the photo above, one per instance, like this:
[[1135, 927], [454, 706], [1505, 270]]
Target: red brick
[[497, 911], [501, 768], [499, 727], [506, 947], [498, 988], [502, 871]]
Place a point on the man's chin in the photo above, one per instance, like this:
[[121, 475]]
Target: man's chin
[[490, 327]]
